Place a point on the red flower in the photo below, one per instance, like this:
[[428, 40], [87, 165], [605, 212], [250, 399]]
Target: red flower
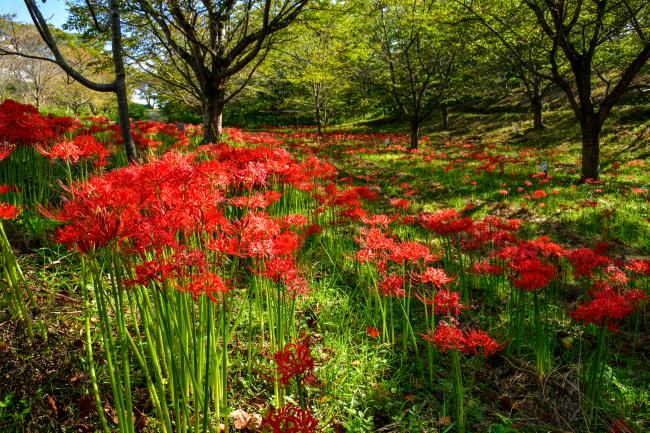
[[445, 222], [372, 332], [436, 276], [449, 337], [410, 252], [289, 419], [608, 305], [6, 149], [640, 266], [208, 284], [539, 194], [446, 302], [278, 268], [585, 261], [532, 274], [393, 285], [377, 220], [4, 189], [295, 361], [477, 339], [446, 337], [400, 203], [8, 211]]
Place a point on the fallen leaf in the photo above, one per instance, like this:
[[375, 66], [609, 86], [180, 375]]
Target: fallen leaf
[[505, 402], [244, 419], [52, 403], [110, 411], [444, 420], [141, 422]]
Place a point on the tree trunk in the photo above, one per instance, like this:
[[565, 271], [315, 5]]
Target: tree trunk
[[537, 105], [317, 107], [120, 84], [213, 115], [590, 130], [415, 133], [445, 117]]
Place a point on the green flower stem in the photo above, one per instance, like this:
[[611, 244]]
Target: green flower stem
[[459, 394]]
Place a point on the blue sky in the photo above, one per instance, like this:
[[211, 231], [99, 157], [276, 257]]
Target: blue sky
[[54, 11]]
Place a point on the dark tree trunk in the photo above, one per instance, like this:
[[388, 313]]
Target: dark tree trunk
[[213, 115], [590, 129], [120, 83], [537, 105], [445, 117], [317, 107], [415, 133]]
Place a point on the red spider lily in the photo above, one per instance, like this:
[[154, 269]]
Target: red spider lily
[[486, 268], [616, 275], [519, 252], [4, 189], [295, 360], [374, 239], [445, 222], [539, 194], [6, 149], [400, 203], [297, 285], [493, 230], [313, 229], [532, 274], [436, 276], [639, 266], [378, 220], [393, 285], [446, 337], [447, 302], [96, 229], [372, 332], [208, 284], [548, 248], [8, 211], [82, 146], [410, 252], [153, 271], [296, 220], [585, 261], [608, 305], [277, 268], [289, 419], [479, 340]]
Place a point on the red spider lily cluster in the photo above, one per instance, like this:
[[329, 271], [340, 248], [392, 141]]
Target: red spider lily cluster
[[220, 194], [22, 124], [445, 222], [148, 206], [180, 219], [450, 337], [381, 249], [81, 146], [609, 306]]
